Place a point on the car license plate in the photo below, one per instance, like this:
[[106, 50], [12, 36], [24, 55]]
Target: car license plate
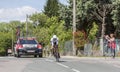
[[30, 51]]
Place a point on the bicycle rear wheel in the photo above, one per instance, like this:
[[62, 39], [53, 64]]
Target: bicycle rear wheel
[[57, 57]]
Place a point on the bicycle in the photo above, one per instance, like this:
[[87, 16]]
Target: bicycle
[[56, 52]]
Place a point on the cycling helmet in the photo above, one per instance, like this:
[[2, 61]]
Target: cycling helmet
[[54, 36]]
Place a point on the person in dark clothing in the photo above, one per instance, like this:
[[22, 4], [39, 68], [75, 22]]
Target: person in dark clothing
[[106, 45]]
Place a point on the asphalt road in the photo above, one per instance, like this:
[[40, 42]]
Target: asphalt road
[[66, 64]]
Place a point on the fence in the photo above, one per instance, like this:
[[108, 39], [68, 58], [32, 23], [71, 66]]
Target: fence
[[68, 48], [90, 49]]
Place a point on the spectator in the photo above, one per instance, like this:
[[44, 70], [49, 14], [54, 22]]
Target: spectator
[[112, 44], [106, 44]]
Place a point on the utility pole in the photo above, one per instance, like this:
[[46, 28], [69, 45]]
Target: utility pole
[[26, 26], [74, 25], [12, 43]]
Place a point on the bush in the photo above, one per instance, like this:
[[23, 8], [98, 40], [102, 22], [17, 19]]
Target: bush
[[2, 51], [5, 42], [79, 39]]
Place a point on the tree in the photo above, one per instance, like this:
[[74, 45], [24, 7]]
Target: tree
[[93, 32], [4, 27], [39, 19], [51, 8], [116, 16], [5, 42], [66, 14], [85, 19], [83, 16], [102, 12], [55, 26], [79, 39]]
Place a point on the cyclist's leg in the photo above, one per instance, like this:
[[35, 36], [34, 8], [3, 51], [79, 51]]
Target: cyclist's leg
[[55, 50], [58, 51], [52, 50]]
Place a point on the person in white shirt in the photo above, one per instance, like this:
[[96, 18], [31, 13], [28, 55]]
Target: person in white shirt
[[54, 40], [54, 43]]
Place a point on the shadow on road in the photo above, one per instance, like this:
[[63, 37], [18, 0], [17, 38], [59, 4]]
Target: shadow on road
[[62, 61]]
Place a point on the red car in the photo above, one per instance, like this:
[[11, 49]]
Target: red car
[[27, 46]]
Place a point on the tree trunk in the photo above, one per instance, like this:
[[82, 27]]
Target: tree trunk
[[103, 31]]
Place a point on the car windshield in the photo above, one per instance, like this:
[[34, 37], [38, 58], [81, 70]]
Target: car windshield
[[28, 42]]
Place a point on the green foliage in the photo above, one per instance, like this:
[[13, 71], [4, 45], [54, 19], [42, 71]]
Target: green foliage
[[84, 18], [5, 42], [57, 27], [51, 8], [66, 15], [42, 35], [93, 32], [87, 12], [52, 26], [4, 27], [116, 16], [38, 19]]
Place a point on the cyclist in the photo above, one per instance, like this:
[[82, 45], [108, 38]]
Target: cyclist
[[54, 43], [54, 40]]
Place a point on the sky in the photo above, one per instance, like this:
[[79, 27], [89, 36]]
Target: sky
[[17, 9]]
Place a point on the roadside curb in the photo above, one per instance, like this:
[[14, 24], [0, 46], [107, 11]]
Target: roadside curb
[[108, 60], [93, 58]]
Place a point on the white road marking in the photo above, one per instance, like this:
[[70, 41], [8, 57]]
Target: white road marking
[[63, 65], [1, 57], [11, 57], [7, 57], [75, 70], [117, 66], [49, 60]]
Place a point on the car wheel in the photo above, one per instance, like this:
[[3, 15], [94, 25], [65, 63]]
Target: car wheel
[[35, 55]]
